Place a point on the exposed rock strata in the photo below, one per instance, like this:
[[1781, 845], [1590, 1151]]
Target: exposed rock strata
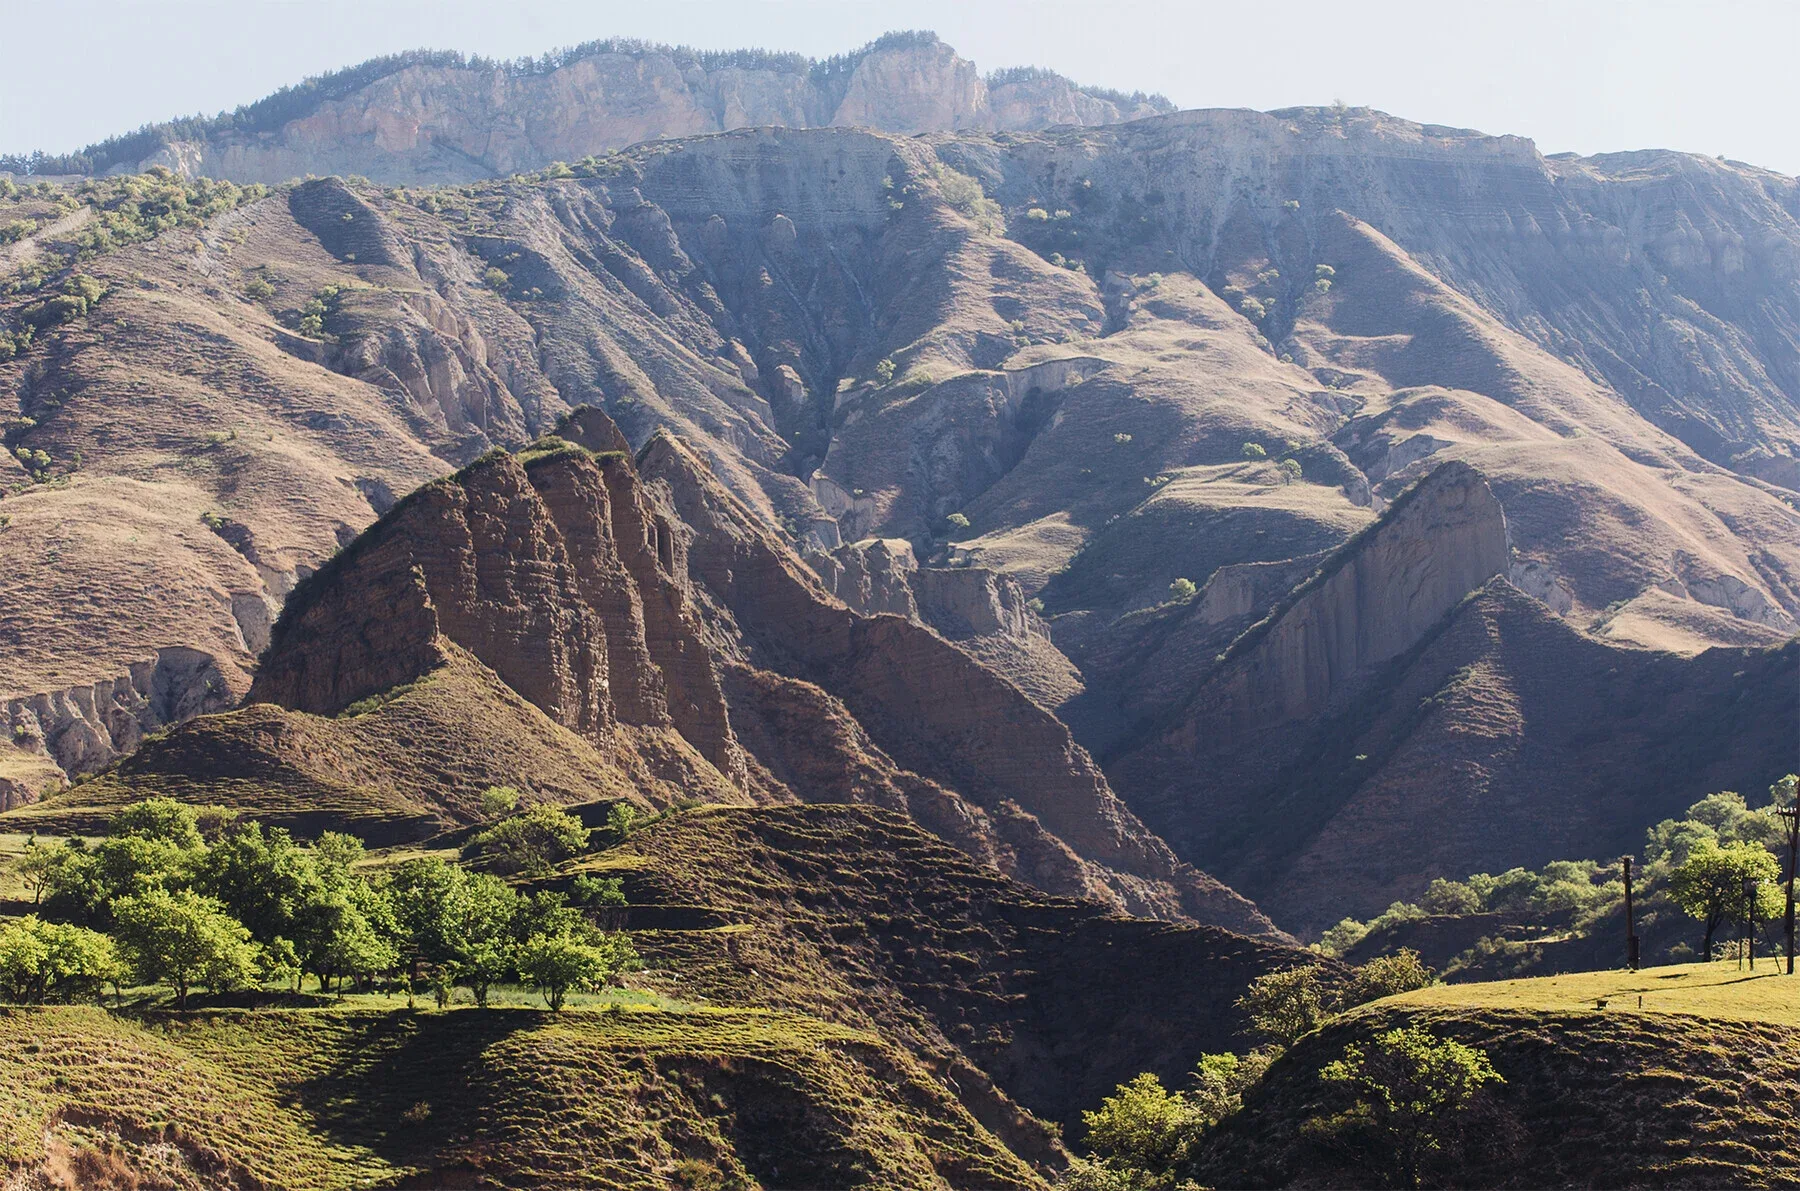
[[80, 730]]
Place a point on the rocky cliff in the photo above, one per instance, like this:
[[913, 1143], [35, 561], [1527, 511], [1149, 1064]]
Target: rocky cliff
[[651, 614], [438, 118]]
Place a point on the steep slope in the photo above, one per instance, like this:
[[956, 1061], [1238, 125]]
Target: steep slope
[[428, 117], [931, 707]]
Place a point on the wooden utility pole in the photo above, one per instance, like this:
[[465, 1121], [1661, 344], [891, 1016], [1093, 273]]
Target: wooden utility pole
[[1792, 815], [1631, 939]]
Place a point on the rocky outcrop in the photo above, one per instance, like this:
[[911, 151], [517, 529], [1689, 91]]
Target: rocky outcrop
[[1369, 602], [440, 118], [82, 729]]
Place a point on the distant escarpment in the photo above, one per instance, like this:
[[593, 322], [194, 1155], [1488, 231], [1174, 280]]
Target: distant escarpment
[[441, 117], [1406, 713]]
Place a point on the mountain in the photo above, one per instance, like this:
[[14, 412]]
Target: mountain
[[437, 117], [1004, 387]]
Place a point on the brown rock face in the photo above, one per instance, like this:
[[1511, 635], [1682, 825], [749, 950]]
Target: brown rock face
[[548, 568], [1407, 714]]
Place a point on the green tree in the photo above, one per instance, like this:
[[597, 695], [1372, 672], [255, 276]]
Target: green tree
[[457, 922], [184, 939], [1255, 450], [1411, 1087], [1182, 590], [261, 877], [1385, 976], [1285, 1005], [1143, 1132], [532, 843], [1709, 885], [37, 868], [554, 964], [499, 801], [43, 960]]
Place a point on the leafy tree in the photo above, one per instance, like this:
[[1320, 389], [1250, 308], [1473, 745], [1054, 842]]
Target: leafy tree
[[1182, 590], [533, 843], [262, 878], [884, 371], [1709, 884], [278, 963], [159, 819], [1255, 450], [1287, 1004], [340, 935], [460, 923], [1143, 1132], [1449, 897], [184, 939], [554, 964], [40, 960], [37, 868], [621, 817], [497, 801], [1411, 1088]]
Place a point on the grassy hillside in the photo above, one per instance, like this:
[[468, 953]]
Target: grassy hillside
[[1701, 1088], [357, 1098]]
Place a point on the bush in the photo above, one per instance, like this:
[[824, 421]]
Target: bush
[[884, 371], [956, 522], [1182, 590], [496, 279], [964, 194], [1255, 450]]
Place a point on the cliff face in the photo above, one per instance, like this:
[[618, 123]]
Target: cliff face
[[456, 122], [1369, 603], [1406, 713]]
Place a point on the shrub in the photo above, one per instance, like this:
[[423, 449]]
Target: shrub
[[1182, 590], [964, 194], [1255, 450], [884, 371], [258, 290], [496, 279], [956, 521], [1323, 285], [1252, 309], [1386, 976], [1121, 439]]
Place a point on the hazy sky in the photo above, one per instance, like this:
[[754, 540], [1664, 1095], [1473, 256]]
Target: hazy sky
[[1710, 76]]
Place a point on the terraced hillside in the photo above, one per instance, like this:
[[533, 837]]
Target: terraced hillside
[[340, 1098]]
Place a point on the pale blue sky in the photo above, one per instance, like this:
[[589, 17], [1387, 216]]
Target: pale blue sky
[[1710, 76]]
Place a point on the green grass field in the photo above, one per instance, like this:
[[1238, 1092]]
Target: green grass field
[[1718, 990]]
